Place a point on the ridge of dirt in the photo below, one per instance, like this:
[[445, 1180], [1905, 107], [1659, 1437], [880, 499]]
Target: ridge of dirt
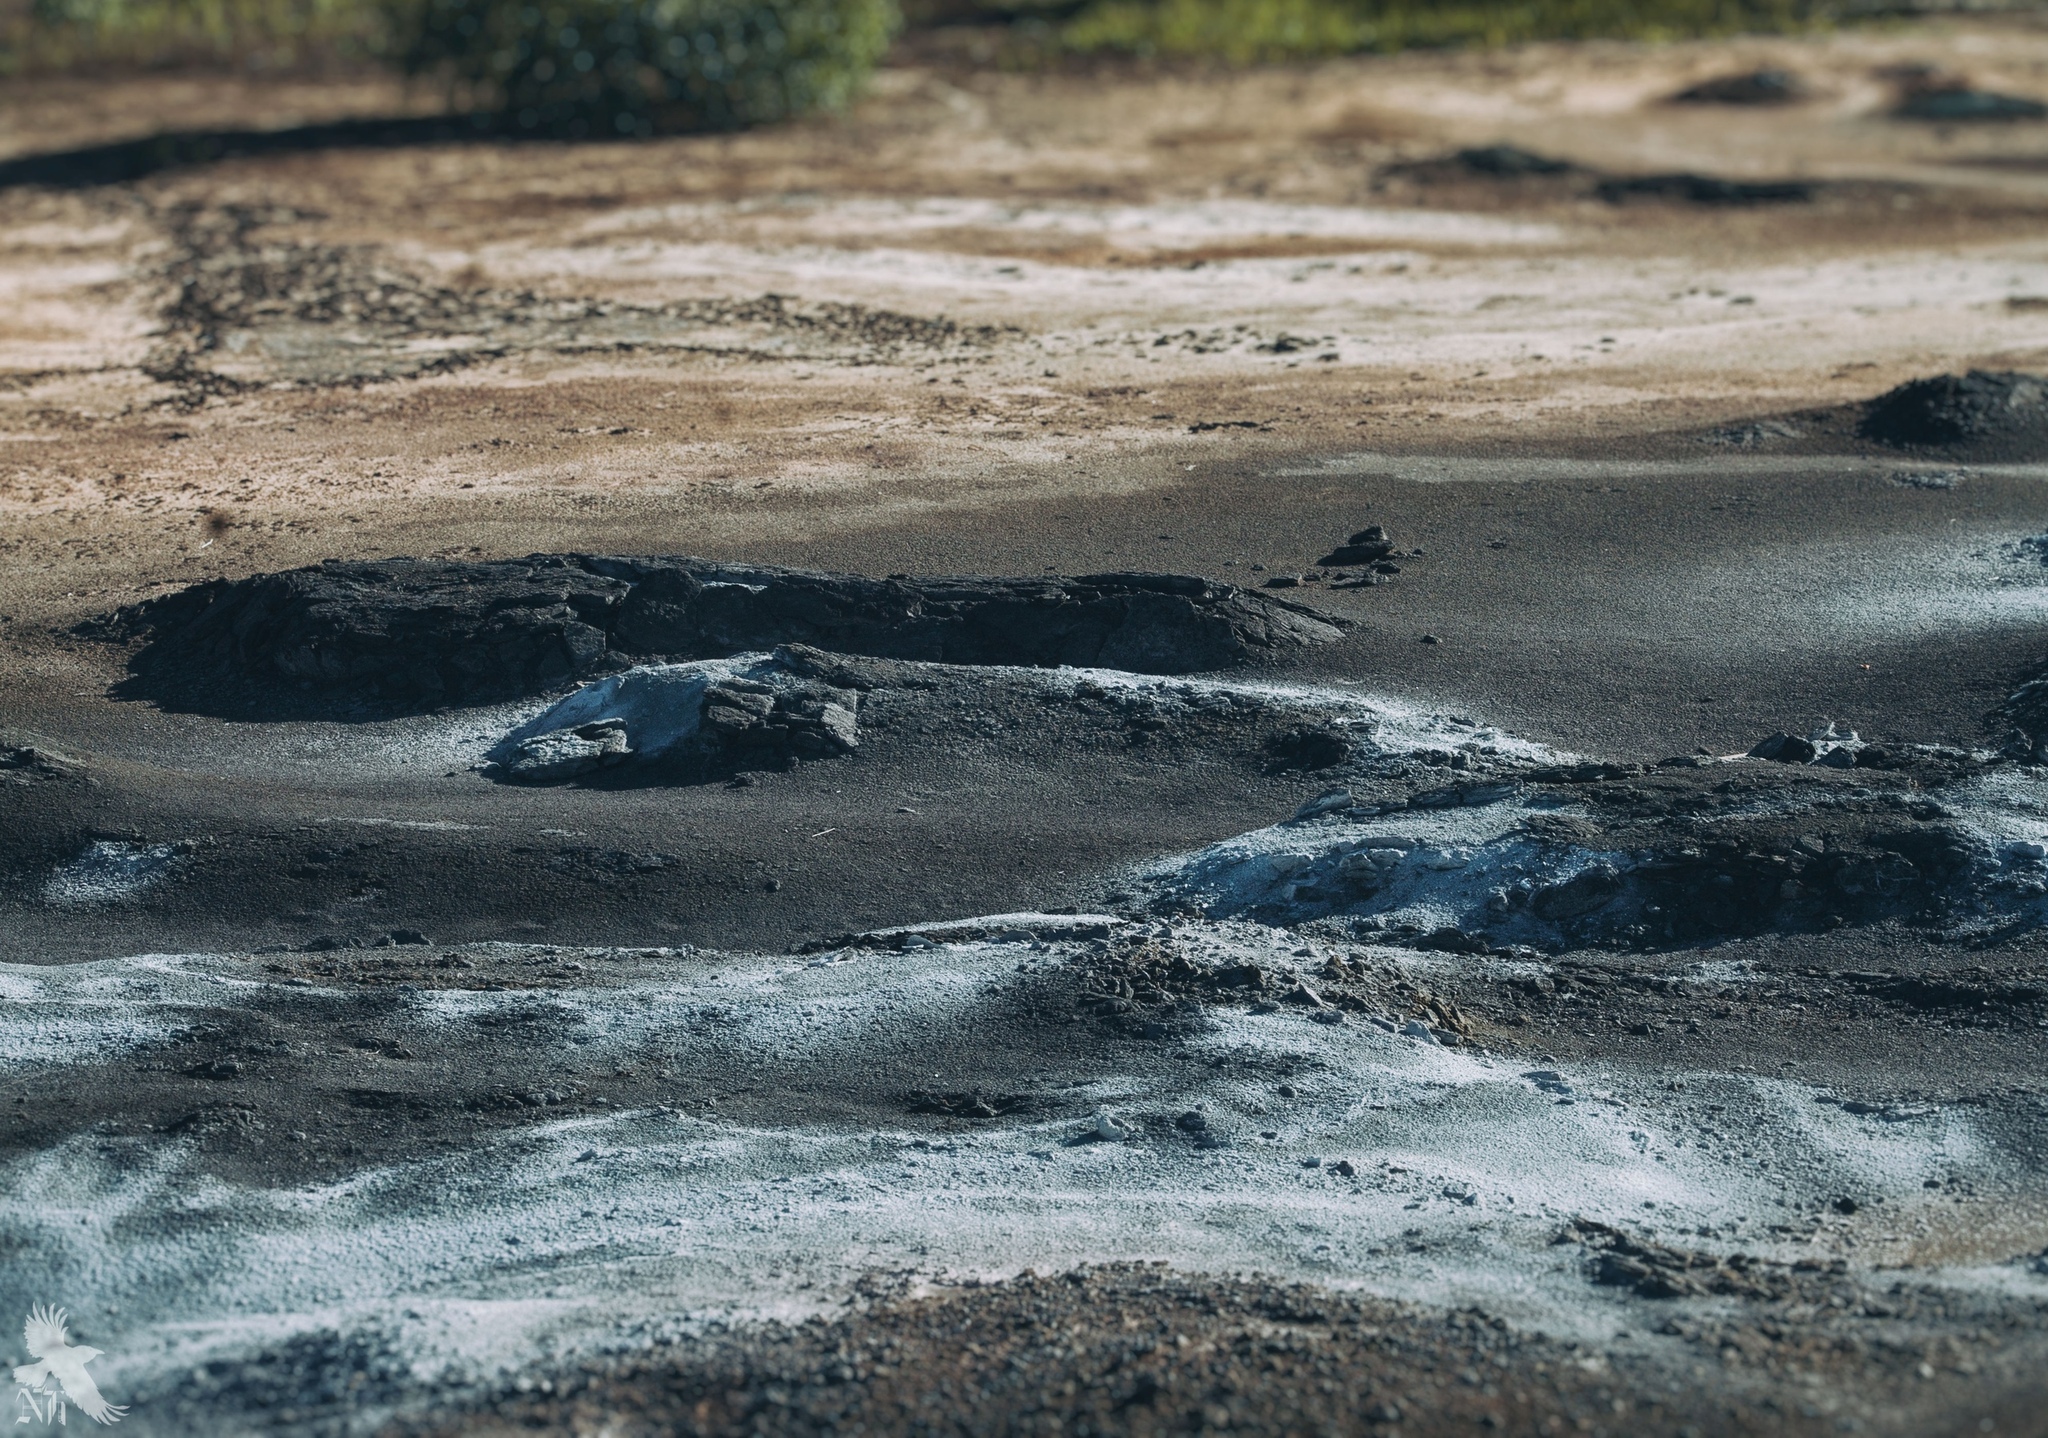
[[1979, 415], [1140, 1349], [405, 635]]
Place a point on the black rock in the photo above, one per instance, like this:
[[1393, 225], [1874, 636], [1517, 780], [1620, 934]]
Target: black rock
[[1361, 548], [1997, 414], [1784, 748], [409, 635]]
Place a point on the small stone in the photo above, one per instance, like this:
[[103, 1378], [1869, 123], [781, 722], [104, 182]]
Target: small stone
[[1193, 1122], [1431, 639], [1108, 1129], [1362, 548], [1344, 1168]]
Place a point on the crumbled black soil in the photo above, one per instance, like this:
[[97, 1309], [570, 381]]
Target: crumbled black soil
[[1140, 1349], [1984, 414], [1145, 987], [1659, 1270], [398, 636]]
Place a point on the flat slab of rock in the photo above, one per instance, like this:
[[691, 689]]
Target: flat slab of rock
[[412, 635]]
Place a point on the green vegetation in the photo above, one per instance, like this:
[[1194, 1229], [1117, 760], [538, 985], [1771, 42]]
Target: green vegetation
[[633, 66], [54, 36], [554, 66], [1242, 31]]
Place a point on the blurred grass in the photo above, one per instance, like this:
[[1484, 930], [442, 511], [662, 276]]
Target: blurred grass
[[59, 36], [72, 36], [1249, 31], [627, 67]]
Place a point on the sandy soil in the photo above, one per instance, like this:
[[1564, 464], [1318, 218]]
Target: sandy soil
[[620, 1083]]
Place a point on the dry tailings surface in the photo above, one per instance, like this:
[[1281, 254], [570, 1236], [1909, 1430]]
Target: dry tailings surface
[[1733, 1054], [362, 1146]]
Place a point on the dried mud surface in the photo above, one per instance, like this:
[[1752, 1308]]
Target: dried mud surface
[[1597, 985]]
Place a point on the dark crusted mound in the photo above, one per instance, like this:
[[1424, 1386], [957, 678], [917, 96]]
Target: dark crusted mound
[[1990, 414], [1705, 190], [1959, 103], [410, 635], [1752, 87]]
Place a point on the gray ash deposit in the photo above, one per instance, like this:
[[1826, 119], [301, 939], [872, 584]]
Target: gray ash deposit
[[402, 636]]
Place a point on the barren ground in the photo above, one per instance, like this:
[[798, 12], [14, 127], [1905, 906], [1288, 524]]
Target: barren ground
[[354, 1087]]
